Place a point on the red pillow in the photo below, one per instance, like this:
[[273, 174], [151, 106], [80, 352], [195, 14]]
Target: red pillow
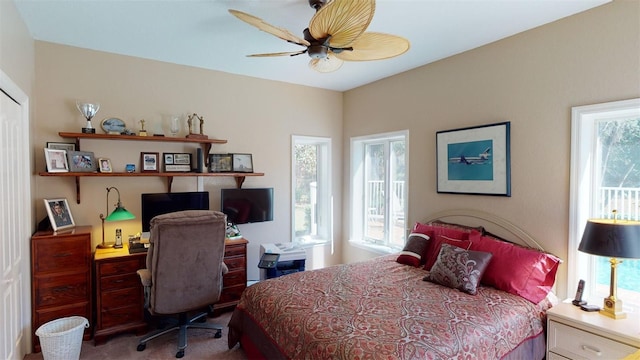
[[433, 248], [522, 271]]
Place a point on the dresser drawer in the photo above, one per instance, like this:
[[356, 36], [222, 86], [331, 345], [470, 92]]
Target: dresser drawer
[[129, 266], [119, 281], [61, 290], [61, 255], [574, 343]]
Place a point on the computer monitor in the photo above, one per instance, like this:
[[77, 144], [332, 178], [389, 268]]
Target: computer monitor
[[163, 203]]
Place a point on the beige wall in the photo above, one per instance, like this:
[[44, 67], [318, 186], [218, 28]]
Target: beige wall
[[531, 79], [255, 116]]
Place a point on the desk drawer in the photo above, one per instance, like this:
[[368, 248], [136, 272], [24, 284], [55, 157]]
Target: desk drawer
[[234, 250], [119, 282], [574, 343], [231, 294], [121, 297], [234, 278], [120, 267], [236, 263], [120, 316]]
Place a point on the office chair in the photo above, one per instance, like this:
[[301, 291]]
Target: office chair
[[184, 270]]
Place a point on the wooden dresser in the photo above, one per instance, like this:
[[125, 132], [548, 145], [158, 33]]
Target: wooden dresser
[[61, 277], [235, 281], [119, 293]]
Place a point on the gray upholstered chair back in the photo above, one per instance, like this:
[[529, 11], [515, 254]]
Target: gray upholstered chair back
[[185, 260]]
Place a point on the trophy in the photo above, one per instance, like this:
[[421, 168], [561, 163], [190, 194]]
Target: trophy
[[88, 110]]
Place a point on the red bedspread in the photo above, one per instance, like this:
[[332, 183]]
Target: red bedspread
[[380, 309]]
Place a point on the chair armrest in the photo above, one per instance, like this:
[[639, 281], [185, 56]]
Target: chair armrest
[[225, 269], [145, 277]]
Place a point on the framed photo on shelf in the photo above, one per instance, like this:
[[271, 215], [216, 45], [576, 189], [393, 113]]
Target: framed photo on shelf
[[177, 162], [474, 160], [81, 161], [149, 162], [56, 160], [219, 163], [59, 214], [105, 165], [61, 146], [242, 163]]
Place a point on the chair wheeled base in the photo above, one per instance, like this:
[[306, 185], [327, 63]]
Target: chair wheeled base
[[182, 324]]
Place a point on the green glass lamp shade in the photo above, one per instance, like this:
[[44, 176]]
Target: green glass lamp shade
[[119, 214]]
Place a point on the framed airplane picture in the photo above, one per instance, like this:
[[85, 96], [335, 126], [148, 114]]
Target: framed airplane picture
[[474, 160]]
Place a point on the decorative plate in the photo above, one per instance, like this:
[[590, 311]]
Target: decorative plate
[[113, 126]]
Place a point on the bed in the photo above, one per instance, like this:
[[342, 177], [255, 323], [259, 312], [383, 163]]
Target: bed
[[392, 307]]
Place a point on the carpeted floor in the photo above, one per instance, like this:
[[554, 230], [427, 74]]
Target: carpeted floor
[[200, 345]]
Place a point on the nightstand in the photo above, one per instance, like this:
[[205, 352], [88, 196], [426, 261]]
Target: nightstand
[[576, 334]]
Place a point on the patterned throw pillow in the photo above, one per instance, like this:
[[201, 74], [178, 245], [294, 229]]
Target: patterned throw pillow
[[458, 268], [414, 250]]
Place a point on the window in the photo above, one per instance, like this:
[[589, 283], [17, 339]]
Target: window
[[605, 176], [379, 195], [311, 186]]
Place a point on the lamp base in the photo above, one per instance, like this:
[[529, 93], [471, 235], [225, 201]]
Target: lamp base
[[613, 308], [105, 245]]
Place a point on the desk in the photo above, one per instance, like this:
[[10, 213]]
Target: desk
[[119, 294]]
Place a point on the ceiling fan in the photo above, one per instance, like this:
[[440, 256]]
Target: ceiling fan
[[336, 33]]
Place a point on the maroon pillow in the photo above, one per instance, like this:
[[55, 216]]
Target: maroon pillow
[[414, 250], [433, 248], [449, 230], [518, 270], [458, 268]]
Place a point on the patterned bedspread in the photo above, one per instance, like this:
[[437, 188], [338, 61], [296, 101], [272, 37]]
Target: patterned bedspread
[[380, 309]]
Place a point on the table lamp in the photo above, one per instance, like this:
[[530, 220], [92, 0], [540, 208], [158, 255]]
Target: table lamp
[[119, 214], [615, 239]]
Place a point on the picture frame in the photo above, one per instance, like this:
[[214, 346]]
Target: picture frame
[[242, 163], [149, 162], [59, 214], [56, 160], [474, 160], [104, 165], [220, 163], [81, 161], [61, 146], [113, 126], [177, 162]]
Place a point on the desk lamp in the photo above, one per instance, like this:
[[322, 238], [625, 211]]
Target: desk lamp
[[615, 239], [119, 214]]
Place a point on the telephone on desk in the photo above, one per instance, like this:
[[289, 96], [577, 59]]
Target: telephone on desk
[[136, 245]]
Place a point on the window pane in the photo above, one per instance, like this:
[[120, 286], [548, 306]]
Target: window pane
[[375, 191], [306, 175], [617, 181]]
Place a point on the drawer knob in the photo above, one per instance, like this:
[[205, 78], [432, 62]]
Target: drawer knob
[[591, 349]]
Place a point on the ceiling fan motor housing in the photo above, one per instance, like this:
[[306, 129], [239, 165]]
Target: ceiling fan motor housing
[[318, 51]]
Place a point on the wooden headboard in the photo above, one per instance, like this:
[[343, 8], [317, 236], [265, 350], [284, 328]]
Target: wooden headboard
[[492, 223]]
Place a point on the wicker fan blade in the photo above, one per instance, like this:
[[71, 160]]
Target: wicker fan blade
[[325, 65], [343, 20], [292, 53], [375, 46], [273, 30]]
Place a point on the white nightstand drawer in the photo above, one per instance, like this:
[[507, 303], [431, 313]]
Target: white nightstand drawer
[[577, 344]]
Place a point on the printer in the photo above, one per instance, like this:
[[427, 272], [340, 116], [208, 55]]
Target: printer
[[280, 259]]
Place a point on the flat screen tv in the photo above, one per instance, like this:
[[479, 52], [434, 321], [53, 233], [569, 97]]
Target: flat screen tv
[[162, 203], [248, 205]]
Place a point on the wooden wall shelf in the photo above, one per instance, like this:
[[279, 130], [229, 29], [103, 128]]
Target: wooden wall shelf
[[205, 143]]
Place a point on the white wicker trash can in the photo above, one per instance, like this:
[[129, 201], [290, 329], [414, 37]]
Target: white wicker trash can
[[61, 339]]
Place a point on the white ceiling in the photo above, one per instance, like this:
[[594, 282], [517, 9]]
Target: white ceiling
[[203, 34]]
